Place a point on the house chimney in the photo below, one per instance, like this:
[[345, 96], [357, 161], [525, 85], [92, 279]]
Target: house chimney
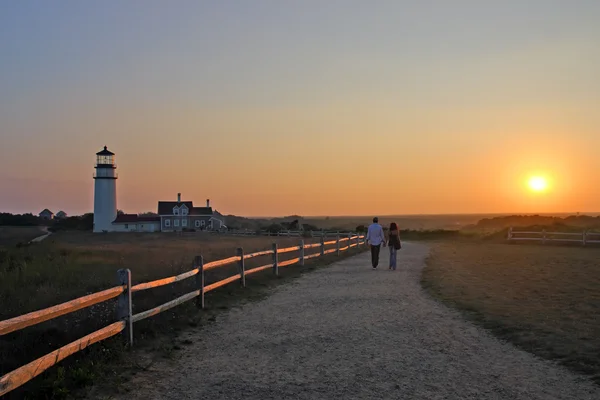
[[179, 197], [207, 202]]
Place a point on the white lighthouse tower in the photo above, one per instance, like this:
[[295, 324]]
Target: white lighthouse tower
[[105, 191]]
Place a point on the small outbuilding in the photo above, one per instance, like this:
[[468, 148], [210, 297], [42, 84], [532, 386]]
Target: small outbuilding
[[46, 214]]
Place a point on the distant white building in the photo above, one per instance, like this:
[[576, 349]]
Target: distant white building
[[136, 223], [46, 214], [172, 215]]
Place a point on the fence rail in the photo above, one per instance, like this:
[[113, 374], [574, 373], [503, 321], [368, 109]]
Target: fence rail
[[585, 237], [286, 233], [124, 291]]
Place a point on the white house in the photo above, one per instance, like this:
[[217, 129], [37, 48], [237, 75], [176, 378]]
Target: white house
[[181, 215]]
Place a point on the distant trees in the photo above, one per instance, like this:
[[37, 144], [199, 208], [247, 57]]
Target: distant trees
[[309, 227], [20, 219], [83, 222], [274, 228], [361, 229], [291, 226], [497, 223]]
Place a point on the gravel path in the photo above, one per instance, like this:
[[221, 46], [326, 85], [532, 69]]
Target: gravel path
[[348, 332]]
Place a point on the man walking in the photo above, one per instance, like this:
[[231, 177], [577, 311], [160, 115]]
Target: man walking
[[375, 238]]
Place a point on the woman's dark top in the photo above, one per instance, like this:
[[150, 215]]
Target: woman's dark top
[[395, 239]]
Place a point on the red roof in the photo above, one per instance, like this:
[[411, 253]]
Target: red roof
[[130, 218]]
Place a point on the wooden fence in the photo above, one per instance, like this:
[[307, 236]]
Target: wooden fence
[[286, 233], [585, 237], [124, 291]]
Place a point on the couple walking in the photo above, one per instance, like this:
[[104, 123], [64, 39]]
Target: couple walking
[[376, 239]]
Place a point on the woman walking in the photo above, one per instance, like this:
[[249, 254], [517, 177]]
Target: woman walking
[[393, 244]]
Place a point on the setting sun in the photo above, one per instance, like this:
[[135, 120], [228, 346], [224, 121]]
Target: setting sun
[[538, 183]]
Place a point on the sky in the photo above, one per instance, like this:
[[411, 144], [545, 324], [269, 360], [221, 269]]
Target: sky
[[306, 107]]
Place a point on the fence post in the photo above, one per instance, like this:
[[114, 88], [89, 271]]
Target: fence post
[[337, 244], [124, 306], [544, 236], [322, 246], [584, 238], [302, 253], [240, 253], [349, 240], [199, 261], [510, 233], [275, 266]]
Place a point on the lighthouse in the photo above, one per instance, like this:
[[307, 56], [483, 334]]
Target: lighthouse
[[105, 191]]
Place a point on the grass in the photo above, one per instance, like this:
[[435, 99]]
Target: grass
[[12, 235], [69, 265], [544, 299]]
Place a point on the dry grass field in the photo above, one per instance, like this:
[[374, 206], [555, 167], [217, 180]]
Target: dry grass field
[[69, 265], [12, 235], [544, 299]]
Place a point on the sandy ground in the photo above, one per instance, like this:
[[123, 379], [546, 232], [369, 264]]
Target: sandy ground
[[349, 332]]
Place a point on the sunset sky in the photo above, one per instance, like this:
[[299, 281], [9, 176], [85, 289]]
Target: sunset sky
[[303, 107]]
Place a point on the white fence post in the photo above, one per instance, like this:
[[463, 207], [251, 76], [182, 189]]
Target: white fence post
[[337, 243], [544, 236], [302, 252]]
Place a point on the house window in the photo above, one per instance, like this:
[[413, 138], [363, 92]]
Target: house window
[[126, 226], [176, 222], [197, 223], [202, 223], [184, 222], [184, 211], [167, 222], [175, 211]]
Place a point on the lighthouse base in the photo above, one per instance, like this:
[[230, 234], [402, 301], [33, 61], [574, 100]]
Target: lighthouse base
[[105, 205]]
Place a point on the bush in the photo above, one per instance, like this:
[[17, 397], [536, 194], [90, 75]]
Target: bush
[[19, 219], [274, 228], [79, 223]]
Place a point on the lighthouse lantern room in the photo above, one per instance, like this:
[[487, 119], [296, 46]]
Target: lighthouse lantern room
[[105, 191]]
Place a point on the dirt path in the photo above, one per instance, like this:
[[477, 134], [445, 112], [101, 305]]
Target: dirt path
[[348, 332], [44, 236]]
